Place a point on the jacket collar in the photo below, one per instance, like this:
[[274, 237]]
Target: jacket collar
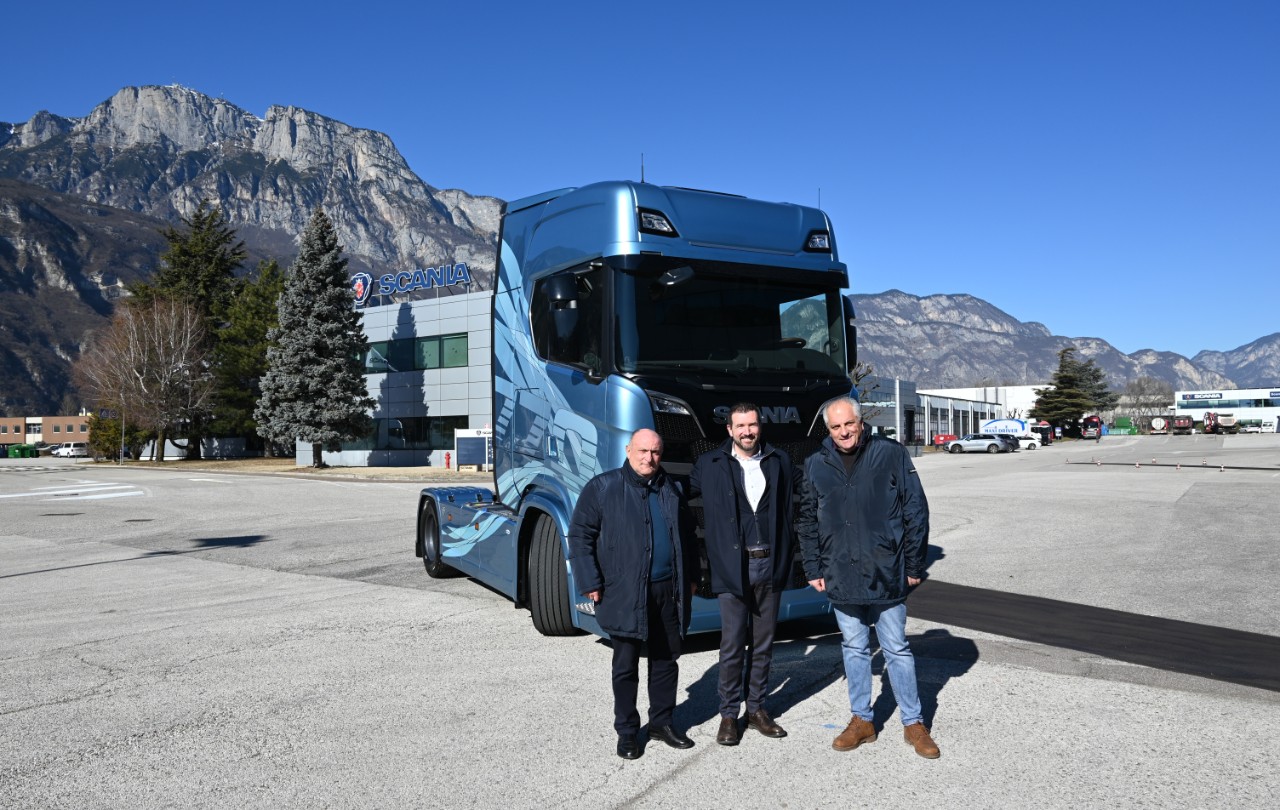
[[833, 455], [633, 478]]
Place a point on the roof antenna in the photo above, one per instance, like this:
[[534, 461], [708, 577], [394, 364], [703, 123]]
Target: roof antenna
[[642, 167]]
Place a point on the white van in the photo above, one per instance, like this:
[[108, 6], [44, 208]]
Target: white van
[[72, 450]]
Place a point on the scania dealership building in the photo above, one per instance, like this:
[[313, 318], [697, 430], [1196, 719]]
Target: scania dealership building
[[428, 370]]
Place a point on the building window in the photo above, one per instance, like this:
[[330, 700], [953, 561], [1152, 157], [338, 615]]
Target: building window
[[4, 428], [57, 429], [84, 428], [411, 433], [417, 354]]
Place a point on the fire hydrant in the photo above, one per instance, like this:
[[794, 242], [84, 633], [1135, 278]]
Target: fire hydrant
[[447, 456]]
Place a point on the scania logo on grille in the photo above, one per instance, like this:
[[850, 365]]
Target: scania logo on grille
[[780, 415]]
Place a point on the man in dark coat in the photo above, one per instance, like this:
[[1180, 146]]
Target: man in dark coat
[[864, 537], [632, 553], [745, 486]]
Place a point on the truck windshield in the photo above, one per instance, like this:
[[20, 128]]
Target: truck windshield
[[706, 318]]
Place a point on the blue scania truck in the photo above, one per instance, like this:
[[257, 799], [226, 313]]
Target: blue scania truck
[[623, 305]]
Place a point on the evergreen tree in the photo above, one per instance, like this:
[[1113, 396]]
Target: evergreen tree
[[314, 388], [1064, 403], [1078, 389], [200, 264], [199, 268], [240, 354]]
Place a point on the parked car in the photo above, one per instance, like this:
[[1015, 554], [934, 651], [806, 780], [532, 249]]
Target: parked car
[[71, 450], [1010, 440], [1029, 442], [977, 443]]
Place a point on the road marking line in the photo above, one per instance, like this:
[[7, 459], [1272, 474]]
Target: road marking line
[[98, 497], [72, 491]]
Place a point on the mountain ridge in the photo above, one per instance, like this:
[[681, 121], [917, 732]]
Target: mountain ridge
[[83, 201]]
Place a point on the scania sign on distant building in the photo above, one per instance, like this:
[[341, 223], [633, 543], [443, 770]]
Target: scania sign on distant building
[[446, 275], [1202, 395]]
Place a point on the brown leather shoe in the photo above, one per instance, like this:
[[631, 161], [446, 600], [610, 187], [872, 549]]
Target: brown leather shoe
[[917, 736], [858, 731], [763, 723], [728, 733]]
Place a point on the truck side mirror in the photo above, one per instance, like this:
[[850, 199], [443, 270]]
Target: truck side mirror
[[561, 290]]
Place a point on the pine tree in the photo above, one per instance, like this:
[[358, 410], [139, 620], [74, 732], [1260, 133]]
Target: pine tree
[[314, 389], [240, 355], [1078, 389], [199, 269]]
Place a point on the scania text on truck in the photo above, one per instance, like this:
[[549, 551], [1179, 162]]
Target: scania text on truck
[[619, 306]]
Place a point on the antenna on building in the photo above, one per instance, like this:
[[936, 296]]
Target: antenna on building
[[642, 167]]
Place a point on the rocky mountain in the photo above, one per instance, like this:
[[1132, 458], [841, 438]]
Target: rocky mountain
[[160, 150], [83, 200], [1253, 365], [951, 341]]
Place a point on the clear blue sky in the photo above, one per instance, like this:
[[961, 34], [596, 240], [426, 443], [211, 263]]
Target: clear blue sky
[[1110, 169]]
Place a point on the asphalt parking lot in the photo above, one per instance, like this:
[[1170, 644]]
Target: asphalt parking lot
[[1098, 627]]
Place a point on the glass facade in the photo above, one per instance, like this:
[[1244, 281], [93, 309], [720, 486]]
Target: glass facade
[[416, 354], [410, 433]]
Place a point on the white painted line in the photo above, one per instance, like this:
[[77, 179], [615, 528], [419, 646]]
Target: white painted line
[[72, 491], [99, 497]]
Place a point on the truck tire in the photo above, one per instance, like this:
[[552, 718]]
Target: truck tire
[[429, 537], [549, 582]]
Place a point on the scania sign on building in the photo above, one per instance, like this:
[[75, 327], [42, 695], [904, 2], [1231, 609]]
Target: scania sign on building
[[364, 285]]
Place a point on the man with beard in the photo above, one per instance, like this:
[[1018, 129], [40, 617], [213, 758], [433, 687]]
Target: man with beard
[[745, 486]]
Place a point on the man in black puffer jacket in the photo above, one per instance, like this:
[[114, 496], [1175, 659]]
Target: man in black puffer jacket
[[631, 548], [864, 537], [747, 508]]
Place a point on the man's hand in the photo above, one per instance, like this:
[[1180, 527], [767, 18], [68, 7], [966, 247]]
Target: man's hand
[[913, 581], [594, 596], [819, 584]]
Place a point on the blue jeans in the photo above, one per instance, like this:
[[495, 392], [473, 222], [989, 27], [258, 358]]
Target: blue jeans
[[891, 631]]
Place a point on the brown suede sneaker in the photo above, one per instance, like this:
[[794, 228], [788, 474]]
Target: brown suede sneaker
[[858, 731], [917, 736]]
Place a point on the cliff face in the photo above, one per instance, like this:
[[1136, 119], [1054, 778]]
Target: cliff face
[[160, 150]]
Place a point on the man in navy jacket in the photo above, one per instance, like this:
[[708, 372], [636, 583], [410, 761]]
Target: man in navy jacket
[[745, 486], [632, 551], [864, 537]]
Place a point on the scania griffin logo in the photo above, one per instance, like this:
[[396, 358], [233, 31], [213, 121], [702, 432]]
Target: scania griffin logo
[[361, 285], [779, 416]]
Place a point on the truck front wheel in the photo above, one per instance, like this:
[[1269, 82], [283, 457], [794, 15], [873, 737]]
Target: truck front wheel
[[549, 582], [432, 559]]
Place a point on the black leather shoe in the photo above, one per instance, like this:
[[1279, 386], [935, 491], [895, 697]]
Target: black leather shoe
[[763, 723], [670, 736], [628, 746], [728, 733]]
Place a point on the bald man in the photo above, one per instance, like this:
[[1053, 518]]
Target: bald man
[[632, 554]]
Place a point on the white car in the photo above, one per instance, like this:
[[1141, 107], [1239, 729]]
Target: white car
[[1029, 442], [72, 450]]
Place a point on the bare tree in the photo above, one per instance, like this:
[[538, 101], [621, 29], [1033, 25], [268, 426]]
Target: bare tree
[[1146, 397], [152, 364]]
